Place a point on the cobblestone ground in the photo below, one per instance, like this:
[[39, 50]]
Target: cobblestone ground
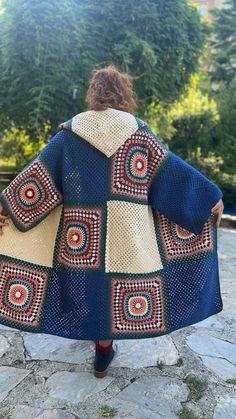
[[190, 373]]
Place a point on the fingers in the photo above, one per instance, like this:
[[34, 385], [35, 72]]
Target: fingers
[[218, 210], [3, 217], [219, 213], [218, 205], [3, 224], [219, 217]]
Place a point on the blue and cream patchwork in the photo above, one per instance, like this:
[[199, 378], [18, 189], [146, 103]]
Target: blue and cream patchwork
[[110, 236]]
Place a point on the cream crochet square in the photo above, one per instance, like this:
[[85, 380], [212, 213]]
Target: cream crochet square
[[131, 244]]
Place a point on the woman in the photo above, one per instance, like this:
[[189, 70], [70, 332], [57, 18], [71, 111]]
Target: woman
[[110, 234]]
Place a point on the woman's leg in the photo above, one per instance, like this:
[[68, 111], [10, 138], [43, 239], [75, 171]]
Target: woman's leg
[[105, 343]]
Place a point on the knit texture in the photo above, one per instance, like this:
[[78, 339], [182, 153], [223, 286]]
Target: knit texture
[[108, 241]]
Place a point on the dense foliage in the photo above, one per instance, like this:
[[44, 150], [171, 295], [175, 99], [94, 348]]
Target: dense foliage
[[49, 48], [223, 44]]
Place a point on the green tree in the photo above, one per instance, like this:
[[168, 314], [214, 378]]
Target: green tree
[[222, 74], [223, 44], [223, 56], [48, 48], [17, 148], [194, 117], [202, 131], [226, 128], [159, 43], [189, 123], [38, 61]]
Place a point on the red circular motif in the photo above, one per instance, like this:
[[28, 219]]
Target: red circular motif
[[18, 294], [183, 233], [139, 165], [75, 238], [138, 305], [30, 193]]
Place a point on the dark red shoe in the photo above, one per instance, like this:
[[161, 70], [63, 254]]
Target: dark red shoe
[[102, 361]]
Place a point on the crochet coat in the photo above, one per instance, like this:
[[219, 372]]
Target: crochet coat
[[111, 235]]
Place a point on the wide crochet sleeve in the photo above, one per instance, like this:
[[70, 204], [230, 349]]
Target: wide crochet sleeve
[[37, 189], [179, 191]]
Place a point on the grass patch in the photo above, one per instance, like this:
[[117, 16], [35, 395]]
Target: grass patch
[[160, 365], [179, 362], [187, 413], [231, 380], [196, 385], [108, 411]]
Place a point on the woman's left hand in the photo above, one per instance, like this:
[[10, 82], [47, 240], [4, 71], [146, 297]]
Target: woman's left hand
[[218, 209]]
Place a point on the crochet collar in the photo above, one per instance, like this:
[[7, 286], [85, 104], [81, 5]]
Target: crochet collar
[[106, 130]]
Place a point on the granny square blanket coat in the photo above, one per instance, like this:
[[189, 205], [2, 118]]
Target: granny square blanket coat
[[111, 235]]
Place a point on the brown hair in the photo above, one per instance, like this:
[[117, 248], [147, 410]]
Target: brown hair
[[111, 88]]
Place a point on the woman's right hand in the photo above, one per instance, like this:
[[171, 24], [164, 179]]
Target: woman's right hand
[[3, 217]]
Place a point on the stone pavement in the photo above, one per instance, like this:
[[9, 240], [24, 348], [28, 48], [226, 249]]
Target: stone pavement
[[188, 374]]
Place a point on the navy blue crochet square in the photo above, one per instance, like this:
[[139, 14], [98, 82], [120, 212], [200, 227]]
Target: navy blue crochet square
[[85, 171], [76, 306], [194, 289]]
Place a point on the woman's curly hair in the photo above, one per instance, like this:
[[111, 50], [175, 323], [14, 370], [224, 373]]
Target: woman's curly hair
[[111, 88]]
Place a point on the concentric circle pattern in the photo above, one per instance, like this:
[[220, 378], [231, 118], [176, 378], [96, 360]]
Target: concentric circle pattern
[[182, 233], [138, 306], [32, 195], [80, 238], [134, 165], [77, 237], [22, 293], [18, 294], [179, 243], [138, 164]]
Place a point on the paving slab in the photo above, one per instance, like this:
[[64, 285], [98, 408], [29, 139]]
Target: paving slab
[[217, 354], [211, 346], [210, 322], [151, 397], [28, 412], [225, 409], [75, 387], [4, 345], [56, 348], [223, 368], [10, 377], [141, 353]]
